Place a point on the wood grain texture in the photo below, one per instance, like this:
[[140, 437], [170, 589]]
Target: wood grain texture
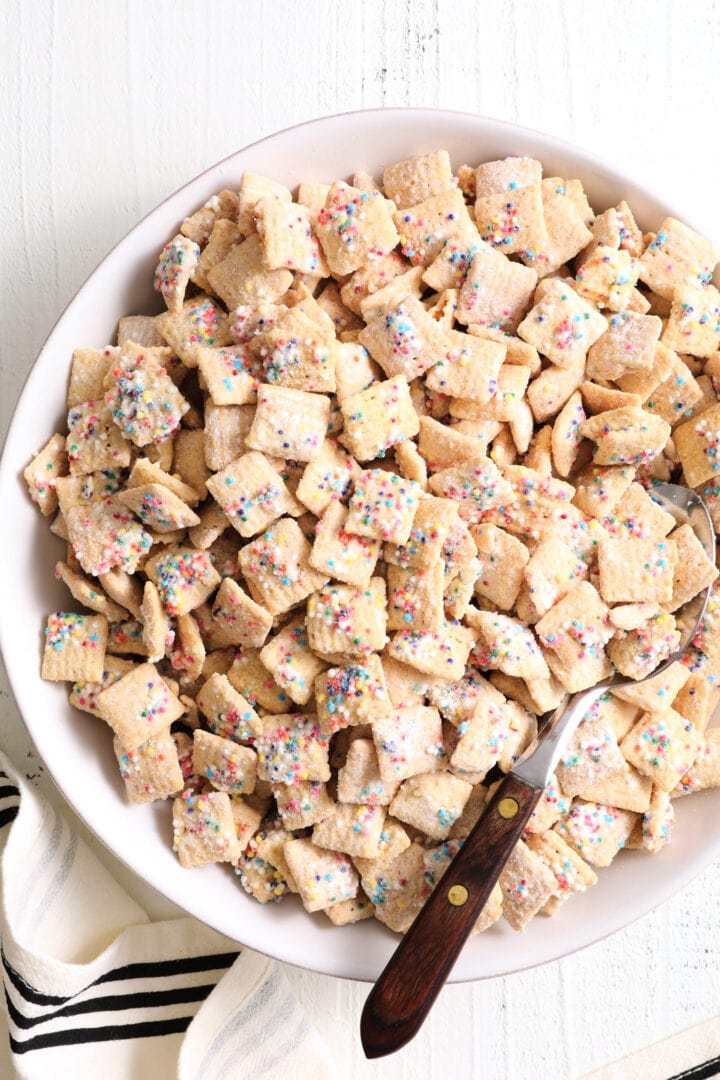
[[406, 990], [109, 107]]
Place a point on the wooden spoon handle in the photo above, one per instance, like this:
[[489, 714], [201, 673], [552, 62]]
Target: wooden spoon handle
[[418, 969]]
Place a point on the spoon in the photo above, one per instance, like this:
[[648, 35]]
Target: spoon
[[418, 969]]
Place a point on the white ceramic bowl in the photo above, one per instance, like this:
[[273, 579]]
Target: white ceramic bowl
[[77, 748]]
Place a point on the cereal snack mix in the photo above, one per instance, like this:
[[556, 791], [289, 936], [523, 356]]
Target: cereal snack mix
[[366, 501]]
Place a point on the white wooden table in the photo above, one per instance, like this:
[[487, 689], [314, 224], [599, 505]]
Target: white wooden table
[[109, 107]]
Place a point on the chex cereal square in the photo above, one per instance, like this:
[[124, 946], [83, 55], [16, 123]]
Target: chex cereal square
[[575, 631], [676, 256], [628, 435], [204, 829], [253, 189], [42, 473], [94, 442], [224, 763], [276, 568], [383, 506], [252, 493], [694, 570], [225, 432], [636, 652], [468, 369], [663, 746], [303, 803], [106, 535], [83, 693], [345, 620], [416, 597], [512, 219], [354, 828], [428, 226], [150, 771], [158, 508], [398, 888], [230, 373], [434, 519], [200, 322], [496, 292], [507, 644], [184, 577], [679, 395], [562, 325], [328, 478], [74, 647], [476, 485], [628, 345], [379, 417], [287, 238], [572, 873], [243, 278], [404, 340], [359, 779], [697, 443], [298, 353], [289, 423], [351, 694], [139, 705], [502, 559], [341, 553], [324, 878], [354, 227], [412, 181], [551, 572], [243, 622], [174, 270], [87, 373], [596, 831], [292, 747], [408, 742], [592, 755], [443, 653], [224, 236], [289, 659], [565, 210], [527, 884], [636, 570], [227, 711], [143, 400], [608, 277], [431, 802], [694, 322]]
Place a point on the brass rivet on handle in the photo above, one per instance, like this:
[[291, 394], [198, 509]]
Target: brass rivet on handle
[[508, 808], [457, 895]]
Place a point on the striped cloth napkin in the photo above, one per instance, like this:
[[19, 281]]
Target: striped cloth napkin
[[93, 988]]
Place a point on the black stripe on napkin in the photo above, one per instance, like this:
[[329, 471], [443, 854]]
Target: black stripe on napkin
[[700, 1072], [7, 815], [161, 969], [169, 967], [144, 1030], [150, 999], [26, 990], [8, 790]]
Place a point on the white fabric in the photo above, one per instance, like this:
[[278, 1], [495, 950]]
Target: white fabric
[[94, 988]]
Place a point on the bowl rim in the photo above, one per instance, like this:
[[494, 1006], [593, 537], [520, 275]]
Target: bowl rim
[[607, 165]]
